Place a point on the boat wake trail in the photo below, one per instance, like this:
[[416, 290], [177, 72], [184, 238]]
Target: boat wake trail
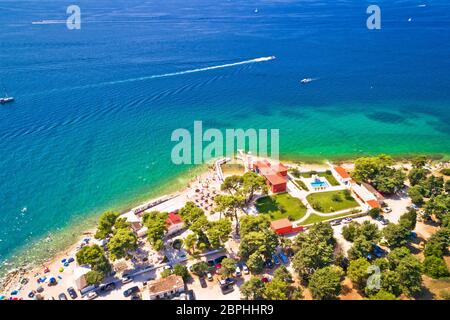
[[262, 59], [172, 74]]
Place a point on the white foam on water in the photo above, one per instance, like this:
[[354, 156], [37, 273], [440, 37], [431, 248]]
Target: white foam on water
[[165, 75]]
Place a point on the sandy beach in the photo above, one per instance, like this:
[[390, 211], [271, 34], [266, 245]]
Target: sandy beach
[[25, 280]]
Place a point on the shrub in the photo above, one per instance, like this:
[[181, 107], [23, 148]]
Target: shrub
[[347, 194], [435, 267], [374, 213], [336, 197]]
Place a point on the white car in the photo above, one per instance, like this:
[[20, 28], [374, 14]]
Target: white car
[[387, 210], [238, 271], [209, 276], [245, 269], [126, 280], [91, 295]]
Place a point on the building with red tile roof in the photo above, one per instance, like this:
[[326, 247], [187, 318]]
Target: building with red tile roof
[[341, 175], [275, 175], [174, 223], [284, 226]]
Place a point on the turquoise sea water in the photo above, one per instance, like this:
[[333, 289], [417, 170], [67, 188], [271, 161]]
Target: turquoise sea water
[[91, 125]]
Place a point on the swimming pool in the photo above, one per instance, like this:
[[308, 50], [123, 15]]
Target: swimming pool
[[317, 183]]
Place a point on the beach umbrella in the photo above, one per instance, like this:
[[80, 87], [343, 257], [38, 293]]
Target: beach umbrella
[[2, 297], [31, 294], [66, 264], [61, 269], [63, 260], [40, 289], [71, 260], [14, 292], [46, 269]]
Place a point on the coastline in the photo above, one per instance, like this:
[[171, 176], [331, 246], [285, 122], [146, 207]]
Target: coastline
[[65, 240], [45, 248]]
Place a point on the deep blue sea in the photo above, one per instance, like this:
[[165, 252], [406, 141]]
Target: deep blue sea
[[90, 128]]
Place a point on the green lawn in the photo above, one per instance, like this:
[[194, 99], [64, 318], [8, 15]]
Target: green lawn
[[324, 202], [281, 205], [329, 176], [300, 184], [314, 218]]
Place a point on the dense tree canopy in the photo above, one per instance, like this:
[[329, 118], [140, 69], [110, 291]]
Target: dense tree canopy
[[252, 289], [94, 256], [358, 272], [435, 267], [200, 268], [325, 283], [121, 243], [218, 232], [190, 213], [378, 172], [230, 206], [106, 224], [157, 226], [228, 267]]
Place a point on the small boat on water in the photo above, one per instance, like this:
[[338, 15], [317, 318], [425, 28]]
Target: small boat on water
[[6, 99], [306, 80]]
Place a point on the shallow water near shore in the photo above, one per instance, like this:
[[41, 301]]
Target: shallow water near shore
[[90, 129]]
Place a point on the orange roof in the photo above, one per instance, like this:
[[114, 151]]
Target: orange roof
[[275, 179], [279, 167], [174, 218], [263, 164], [342, 172], [373, 204], [280, 224]]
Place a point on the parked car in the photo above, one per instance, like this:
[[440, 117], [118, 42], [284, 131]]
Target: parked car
[[283, 258], [245, 269], [226, 289], [107, 287], [275, 259], [209, 276], [386, 209], [335, 222], [91, 296], [191, 295], [226, 282], [219, 260], [384, 221], [347, 220], [62, 296], [290, 252], [268, 263], [202, 282], [72, 293], [136, 296], [378, 251], [238, 271], [265, 279], [131, 291], [126, 280]]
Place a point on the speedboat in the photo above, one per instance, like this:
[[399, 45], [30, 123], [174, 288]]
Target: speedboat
[[6, 99], [306, 80]]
